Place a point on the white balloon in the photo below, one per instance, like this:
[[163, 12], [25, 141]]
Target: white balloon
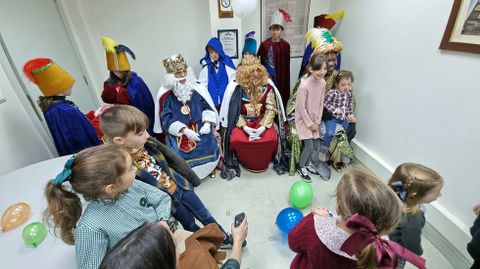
[[243, 8]]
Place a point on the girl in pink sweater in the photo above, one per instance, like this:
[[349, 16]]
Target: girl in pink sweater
[[308, 112]]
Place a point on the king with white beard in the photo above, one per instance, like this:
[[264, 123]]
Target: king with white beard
[[185, 113]]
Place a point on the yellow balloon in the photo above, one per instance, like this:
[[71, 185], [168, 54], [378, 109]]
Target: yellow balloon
[[15, 215]]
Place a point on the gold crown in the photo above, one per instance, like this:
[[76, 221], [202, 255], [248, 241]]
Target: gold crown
[[175, 64]]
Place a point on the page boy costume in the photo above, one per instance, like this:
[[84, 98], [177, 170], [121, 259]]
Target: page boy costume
[[70, 129], [130, 91]]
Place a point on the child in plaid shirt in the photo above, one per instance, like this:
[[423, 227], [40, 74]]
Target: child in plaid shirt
[[339, 102]]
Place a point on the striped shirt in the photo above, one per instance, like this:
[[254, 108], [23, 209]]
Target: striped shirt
[[105, 222]]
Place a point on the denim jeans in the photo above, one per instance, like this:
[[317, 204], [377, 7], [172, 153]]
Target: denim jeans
[[330, 126], [187, 207]]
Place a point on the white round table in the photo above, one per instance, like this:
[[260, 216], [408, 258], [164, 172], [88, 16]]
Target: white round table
[[27, 185]]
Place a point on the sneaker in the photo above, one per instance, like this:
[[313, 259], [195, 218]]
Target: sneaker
[[228, 242], [312, 170], [304, 173]]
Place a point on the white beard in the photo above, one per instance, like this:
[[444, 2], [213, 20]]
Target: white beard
[[184, 91]]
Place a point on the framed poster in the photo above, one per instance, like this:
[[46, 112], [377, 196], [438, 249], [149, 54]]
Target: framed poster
[[225, 9], [463, 28], [229, 40], [294, 31]]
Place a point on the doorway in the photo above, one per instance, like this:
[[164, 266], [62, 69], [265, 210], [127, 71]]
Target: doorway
[[35, 29]]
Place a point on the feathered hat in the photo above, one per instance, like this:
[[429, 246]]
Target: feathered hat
[[116, 57], [176, 63], [50, 78], [250, 44], [279, 17], [323, 41], [331, 21]]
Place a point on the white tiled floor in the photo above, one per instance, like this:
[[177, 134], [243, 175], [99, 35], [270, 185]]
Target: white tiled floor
[[261, 197]]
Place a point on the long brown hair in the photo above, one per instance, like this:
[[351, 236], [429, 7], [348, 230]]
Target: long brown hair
[[92, 170], [418, 180], [44, 102], [360, 192]]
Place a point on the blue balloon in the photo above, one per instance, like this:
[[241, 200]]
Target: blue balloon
[[288, 218]]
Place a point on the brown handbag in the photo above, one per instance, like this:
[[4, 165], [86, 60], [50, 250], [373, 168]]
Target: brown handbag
[[201, 249]]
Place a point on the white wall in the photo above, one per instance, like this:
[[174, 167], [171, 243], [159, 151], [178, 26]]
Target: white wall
[[225, 23], [20, 145], [154, 30], [415, 102]]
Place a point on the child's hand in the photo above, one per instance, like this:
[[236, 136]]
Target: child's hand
[[476, 209], [338, 111], [352, 119], [314, 128], [322, 212]]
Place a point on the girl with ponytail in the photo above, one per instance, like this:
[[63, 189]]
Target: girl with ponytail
[[356, 237], [116, 203]]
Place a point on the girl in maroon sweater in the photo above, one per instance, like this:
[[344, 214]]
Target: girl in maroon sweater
[[367, 211]]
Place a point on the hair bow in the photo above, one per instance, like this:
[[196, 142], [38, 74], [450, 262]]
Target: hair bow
[[399, 188], [386, 251], [66, 174]]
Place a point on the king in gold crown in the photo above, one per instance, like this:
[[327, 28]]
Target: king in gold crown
[[175, 64]]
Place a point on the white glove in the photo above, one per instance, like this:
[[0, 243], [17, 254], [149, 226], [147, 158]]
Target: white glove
[[205, 128], [249, 131], [191, 134], [260, 130]]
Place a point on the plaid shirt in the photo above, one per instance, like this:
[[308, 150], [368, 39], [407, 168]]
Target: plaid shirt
[[335, 99], [105, 222]]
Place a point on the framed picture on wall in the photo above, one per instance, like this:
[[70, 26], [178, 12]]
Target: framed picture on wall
[[229, 40], [463, 28], [295, 30], [225, 9]]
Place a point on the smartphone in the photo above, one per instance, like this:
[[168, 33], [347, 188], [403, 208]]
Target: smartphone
[[239, 219]]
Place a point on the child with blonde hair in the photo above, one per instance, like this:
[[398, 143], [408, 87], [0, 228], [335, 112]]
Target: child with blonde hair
[[415, 185], [116, 202], [367, 210]]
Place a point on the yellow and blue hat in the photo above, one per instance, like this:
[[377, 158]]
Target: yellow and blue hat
[[116, 56]]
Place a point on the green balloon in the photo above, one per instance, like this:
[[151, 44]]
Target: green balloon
[[301, 194], [34, 233]]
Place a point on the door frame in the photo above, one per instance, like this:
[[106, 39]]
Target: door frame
[[25, 99], [20, 89]]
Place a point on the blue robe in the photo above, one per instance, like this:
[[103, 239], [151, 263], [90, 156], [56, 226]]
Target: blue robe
[[207, 149], [217, 81], [70, 129], [141, 98]]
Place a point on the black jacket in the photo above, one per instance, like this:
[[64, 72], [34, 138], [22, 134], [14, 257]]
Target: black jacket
[[473, 247]]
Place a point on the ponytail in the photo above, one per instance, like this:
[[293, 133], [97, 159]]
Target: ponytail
[[88, 173], [366, 257], [63, 211]]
